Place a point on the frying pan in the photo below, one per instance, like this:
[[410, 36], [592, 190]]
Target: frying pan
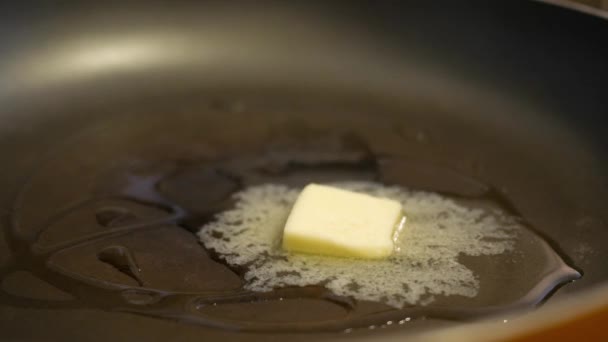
[[509, 94]]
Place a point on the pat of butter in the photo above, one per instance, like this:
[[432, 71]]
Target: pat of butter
[[332, 221]]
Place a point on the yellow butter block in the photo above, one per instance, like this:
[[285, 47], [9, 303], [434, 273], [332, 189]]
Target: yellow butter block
[[331, 221]]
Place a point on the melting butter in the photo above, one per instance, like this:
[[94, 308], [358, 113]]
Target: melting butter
[[424, 264], [331, 221]]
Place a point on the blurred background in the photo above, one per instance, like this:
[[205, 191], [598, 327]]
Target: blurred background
[[595, 3]]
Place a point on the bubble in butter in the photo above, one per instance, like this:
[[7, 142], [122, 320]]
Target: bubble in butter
[[424, 264]]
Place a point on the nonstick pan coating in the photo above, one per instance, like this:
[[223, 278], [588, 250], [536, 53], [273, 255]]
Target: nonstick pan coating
[[510, 93]]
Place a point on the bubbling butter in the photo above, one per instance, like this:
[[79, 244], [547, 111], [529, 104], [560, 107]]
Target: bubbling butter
[[424, 263]]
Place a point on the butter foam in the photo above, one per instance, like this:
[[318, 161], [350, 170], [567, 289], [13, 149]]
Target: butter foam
[[425, 262]]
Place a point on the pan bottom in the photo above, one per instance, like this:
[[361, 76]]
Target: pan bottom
[[128, 244]]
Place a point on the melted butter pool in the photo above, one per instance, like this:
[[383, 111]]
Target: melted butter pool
[[425, 263]]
